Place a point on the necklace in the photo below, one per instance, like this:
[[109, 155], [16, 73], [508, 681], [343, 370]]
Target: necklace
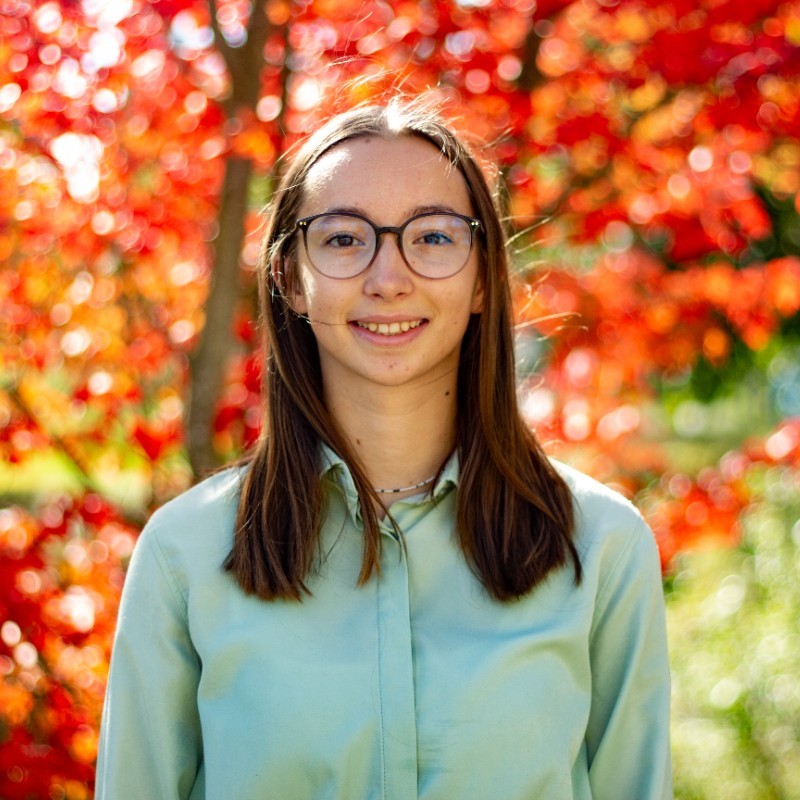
[[407, 488]]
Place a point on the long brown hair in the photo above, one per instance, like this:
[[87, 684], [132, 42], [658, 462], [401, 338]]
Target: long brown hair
[[514, 514]]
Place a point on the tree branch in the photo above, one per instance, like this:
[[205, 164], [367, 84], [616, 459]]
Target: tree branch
[[530, 77], [76, 459]]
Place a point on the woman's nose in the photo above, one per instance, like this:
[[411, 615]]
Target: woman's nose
[[389, 275]]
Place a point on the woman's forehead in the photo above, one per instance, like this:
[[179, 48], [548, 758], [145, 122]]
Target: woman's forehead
[[385, 173]]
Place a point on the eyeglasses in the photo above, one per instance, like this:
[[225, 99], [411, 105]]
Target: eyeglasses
[[341, 244]]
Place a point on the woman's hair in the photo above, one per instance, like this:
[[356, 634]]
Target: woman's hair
[[514, 517]]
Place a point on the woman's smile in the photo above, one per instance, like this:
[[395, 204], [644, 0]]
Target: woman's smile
[[390, 328]]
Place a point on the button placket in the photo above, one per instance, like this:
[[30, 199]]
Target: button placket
[[396, 676]]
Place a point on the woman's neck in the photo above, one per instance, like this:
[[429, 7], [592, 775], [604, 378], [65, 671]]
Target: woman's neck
[[401, 435]]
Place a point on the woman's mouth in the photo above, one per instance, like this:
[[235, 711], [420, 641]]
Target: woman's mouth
[[390, 328]]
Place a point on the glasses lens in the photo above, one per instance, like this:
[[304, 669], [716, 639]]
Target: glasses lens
[[340, 246], [437, 245]]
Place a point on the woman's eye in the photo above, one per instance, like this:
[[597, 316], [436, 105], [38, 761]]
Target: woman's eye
[[343, 240], [434, 238]]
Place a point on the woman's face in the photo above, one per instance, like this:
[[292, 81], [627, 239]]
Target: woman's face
[[387, 326]]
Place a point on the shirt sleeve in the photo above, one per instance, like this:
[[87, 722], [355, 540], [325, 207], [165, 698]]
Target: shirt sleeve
[[628, 732], [150, 740]]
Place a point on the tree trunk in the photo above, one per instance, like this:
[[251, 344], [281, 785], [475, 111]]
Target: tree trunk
[[216, 342], [207, 366]]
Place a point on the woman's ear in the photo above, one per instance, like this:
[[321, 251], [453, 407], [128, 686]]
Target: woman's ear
[[477, 296], [287, 283]]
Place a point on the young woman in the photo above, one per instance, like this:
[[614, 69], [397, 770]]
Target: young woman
[[399, 596]]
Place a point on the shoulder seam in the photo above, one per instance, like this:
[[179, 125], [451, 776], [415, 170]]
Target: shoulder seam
[[167, 572]]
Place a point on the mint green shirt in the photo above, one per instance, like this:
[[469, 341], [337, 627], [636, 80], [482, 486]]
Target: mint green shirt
[[416, 685]]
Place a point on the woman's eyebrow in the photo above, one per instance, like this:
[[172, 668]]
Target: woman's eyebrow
[[346, 210], [434, 209]]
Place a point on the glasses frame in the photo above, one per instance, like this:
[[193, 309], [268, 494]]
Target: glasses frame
[[303, 224]]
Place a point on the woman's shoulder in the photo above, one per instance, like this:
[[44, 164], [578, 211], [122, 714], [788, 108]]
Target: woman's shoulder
[[201, 517], [605, 521], [589, 493]]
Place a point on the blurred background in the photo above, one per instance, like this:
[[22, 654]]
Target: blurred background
[[650, 162]]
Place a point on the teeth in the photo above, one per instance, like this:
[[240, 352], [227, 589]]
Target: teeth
[[390, 328]]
